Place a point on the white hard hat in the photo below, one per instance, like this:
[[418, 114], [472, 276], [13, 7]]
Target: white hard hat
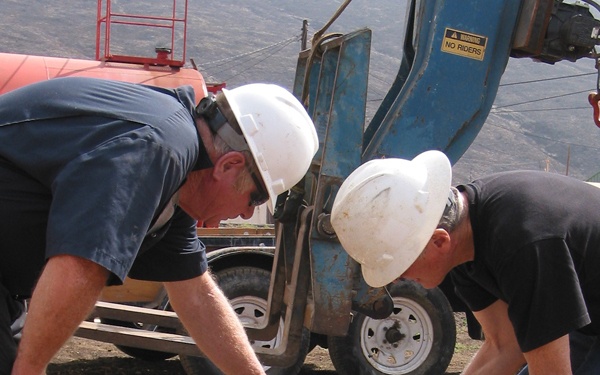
[[387, 210], [279, 133]]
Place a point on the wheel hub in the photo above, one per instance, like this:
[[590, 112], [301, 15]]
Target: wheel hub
[[400, 343], [393, 334]]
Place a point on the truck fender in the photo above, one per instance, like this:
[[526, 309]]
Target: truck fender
[[228, 257]]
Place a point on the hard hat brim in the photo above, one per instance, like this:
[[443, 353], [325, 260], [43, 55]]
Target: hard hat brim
[[279, 133], [266, 180], [439, 178]]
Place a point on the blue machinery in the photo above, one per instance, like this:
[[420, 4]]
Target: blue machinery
[[455, 52]]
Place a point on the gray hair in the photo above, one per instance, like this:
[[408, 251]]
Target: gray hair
[[453, 212]]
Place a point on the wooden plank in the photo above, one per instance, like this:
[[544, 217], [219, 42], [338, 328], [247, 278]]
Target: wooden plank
[[138, 338], [132, 291], [136, 314]]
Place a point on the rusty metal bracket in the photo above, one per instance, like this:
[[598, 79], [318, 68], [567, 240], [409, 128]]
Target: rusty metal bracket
[[290, 282]]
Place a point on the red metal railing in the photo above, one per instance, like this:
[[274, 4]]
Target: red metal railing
[[164, 55]]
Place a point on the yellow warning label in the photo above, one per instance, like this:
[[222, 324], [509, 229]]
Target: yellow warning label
[[464, 44]]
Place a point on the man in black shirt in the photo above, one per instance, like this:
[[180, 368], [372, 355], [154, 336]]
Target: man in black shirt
[[523, 250]]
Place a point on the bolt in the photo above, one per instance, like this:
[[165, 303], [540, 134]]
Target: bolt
[[324, 226]]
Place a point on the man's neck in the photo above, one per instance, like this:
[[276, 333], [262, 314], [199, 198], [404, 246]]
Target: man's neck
[[463, 234]]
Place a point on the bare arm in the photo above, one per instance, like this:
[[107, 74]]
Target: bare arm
[[64, 296], [210, 320], [500, 353], [552, 358]]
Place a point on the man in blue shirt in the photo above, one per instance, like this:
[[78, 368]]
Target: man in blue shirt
[[102, 179]]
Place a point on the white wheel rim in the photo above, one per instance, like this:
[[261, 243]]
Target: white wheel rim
[[408, 353]]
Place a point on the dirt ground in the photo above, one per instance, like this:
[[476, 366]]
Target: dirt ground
[[82, 356]]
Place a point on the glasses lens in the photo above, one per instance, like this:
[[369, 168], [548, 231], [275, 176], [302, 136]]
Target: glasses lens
[[260, 195]]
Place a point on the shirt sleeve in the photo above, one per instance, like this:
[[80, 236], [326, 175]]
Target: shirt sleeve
[[104, 200], [543, 292], [177, 255], [542, 289]]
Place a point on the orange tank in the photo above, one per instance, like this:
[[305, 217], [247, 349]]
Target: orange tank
[[19, 70]]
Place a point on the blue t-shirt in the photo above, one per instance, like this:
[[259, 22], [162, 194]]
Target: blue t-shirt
[[107, 157]]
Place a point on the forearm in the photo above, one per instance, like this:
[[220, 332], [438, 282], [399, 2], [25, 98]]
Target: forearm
[[210, 320], [491, 360], [552, 358], [64, 296], [500, 353]]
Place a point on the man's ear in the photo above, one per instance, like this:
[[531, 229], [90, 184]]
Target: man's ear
[[231, 162], [441, 239]]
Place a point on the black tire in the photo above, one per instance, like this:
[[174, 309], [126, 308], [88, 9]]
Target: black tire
[[139, 353], [418, 338], [247, 289], [145, 354]]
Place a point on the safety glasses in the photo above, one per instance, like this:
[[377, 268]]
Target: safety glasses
[[260, 195]]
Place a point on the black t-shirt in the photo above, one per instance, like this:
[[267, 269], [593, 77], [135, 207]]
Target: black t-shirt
[[102, 160], [537, 247]]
